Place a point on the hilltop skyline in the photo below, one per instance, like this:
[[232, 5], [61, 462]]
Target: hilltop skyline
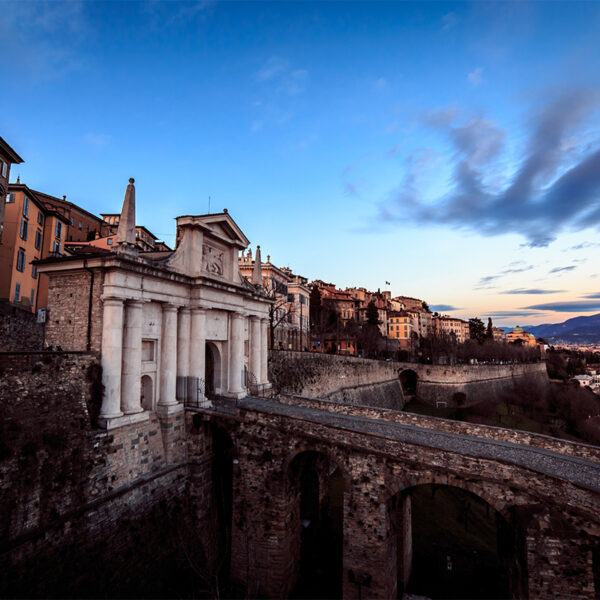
[[448, 148]]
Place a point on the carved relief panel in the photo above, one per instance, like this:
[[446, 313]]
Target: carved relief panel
[[212, 260]]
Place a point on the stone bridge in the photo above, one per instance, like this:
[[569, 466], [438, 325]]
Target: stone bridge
[[291, 463]]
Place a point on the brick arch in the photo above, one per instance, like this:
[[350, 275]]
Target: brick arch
[[432, 478], [303, 447]]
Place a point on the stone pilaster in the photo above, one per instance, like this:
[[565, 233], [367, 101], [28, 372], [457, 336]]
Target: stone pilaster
[[132, 359], [112, 352], [197, 368], [264, 362], [236, 356], [183, 342], [255, 350], [168, 361]]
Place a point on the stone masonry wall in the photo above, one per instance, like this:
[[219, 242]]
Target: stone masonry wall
[[69, 305], [78, 503], [19, 329], [384, 395], [319, 375]]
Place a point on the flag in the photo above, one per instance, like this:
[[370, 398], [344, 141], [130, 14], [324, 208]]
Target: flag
[[387, 283]]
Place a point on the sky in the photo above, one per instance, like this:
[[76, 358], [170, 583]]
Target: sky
[[450, 149]]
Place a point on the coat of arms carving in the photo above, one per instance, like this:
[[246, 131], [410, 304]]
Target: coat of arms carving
[[212, 260]]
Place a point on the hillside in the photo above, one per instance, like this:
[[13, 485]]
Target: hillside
[[575, 330]]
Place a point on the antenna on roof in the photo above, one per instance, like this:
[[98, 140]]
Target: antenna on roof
[[209, 205]]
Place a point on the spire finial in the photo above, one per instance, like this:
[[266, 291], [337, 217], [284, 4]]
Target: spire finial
[[126, 231]]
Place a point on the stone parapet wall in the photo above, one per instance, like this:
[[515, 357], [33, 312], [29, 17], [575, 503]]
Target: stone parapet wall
[[499, 434], [19, 329], [387, 394]]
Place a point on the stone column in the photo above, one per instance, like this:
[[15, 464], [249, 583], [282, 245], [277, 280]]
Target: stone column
[[236, 355], [264, 363], [255, 349], [132, 358], [183, 342], [197, 367], [112, 352], [168, 356]]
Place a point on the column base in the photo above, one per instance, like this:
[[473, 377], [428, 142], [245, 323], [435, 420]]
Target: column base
[[236, 395], [121, 421], [165, 410]]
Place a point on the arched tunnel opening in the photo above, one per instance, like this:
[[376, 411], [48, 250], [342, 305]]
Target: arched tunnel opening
[[408, 380], [451, 544], [319, 487]]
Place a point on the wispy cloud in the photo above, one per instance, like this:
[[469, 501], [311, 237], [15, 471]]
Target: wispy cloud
[[449, 21], [176, 12], [512, 269], [475, 77], [583, 246], [553, 188], [563, 269], [511, 313], [533, 291], [594, 295], [573, 306], [443, 307], [99, 140], [41, 40], [278, 71]]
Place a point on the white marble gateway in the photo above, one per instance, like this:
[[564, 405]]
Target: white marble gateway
[[177, 327]]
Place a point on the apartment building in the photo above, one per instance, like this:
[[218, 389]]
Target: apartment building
[[145, 240], [8, 157], [401, 327], [446, 325], [289, 315], [31, 231]]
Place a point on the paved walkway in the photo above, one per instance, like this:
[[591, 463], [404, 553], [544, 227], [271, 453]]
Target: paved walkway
[[580, 472]]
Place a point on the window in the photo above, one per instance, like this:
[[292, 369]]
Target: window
[[21, 261], [4, 168], [87, 228], [32, 296], [34, 272], [56, 247], [147, 350], [25, 206], [109, 241], [38, 239], [58, 230], [40, 218], [80, 226], [10, 198], [72, 221], [17, 292], [24, 227]]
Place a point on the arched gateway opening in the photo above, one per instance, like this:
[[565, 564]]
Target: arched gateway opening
[[317, 516], [212, 375], [408, 380], [451, 544]]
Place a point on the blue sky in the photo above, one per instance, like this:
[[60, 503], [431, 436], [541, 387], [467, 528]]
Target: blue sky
[[449, 148]]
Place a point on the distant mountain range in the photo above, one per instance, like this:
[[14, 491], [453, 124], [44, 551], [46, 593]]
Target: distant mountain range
[[578, 330]]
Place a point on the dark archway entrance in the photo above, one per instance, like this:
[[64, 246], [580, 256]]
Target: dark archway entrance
[[408, 380], [455, 545], [319, 488], [212, 371]]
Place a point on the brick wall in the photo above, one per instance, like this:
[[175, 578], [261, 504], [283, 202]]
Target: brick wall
[[19, 329], [68, 310]]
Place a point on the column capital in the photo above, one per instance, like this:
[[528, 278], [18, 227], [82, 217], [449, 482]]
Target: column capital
[[168, 307], [135, 302], [185, 309], [112, 300], [254, 318], [199, 310]]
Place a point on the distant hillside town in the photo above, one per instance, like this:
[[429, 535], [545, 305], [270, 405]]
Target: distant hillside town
[[315, 316]]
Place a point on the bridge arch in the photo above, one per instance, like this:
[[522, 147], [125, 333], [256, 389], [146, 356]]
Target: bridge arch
[[316, 491], [408, 380], [452, 542]]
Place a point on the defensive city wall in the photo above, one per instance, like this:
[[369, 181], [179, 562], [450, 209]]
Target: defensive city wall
[[386, 384], [86, 511]]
